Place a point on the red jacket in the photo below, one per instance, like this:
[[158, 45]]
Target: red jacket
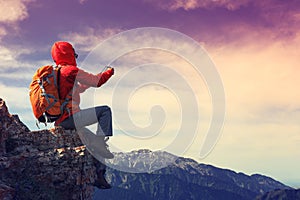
[[63, 55]]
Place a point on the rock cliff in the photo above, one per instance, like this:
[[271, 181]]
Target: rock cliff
[[46, 164]]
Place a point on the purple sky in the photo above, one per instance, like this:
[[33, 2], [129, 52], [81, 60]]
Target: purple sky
[[222, 21]]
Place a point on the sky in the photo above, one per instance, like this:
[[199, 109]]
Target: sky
[[253, 46]]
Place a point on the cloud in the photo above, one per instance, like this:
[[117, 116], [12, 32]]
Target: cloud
[[13, 10], [231, 5], [10, 67], [15, 69], [3, 32], [17, 100], [6, 55], [260, 82], [82, 1], [21, 56], [272, 67], [10, 60], [280, 17], [172, 5], [260, 73], [89, 38], [223, 21], [8, 93]]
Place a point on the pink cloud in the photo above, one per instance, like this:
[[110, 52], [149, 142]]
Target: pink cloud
[[223, 21], [172, 5], [89, 37], [13, 10], [82, 1]]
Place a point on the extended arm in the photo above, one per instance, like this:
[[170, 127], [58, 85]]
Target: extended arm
[[90, 80]]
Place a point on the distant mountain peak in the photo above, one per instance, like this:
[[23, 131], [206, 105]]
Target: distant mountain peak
[[145, 171], [141, 161], [139, 151]]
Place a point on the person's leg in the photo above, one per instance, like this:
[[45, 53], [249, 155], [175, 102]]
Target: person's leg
[[101, 182], [86, 117], [99, 150], [95, 144], [104, 120]]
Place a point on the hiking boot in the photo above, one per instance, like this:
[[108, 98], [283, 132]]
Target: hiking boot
[[101, 147], [101, 182]]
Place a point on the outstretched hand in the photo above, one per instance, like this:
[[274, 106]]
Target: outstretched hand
[[109, 68]]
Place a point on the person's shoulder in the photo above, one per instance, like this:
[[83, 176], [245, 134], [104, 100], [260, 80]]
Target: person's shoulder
[[69, 70]]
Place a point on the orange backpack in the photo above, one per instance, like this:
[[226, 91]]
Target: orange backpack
[[44, 94]]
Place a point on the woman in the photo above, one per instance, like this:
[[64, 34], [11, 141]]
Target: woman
[[72, 82]]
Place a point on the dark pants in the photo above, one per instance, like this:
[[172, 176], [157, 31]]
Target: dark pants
[[86, 117]]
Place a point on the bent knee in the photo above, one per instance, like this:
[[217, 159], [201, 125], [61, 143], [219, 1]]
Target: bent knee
[[105, 109]]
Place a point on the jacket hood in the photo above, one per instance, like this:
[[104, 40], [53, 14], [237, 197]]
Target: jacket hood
[[63, 53]]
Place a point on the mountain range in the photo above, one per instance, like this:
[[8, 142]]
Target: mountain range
[[149, 175]]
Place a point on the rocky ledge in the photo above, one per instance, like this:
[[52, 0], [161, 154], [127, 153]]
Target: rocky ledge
[[46, 164]]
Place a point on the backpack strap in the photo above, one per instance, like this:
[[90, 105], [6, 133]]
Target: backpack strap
[[63, 106], [58, 80]]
